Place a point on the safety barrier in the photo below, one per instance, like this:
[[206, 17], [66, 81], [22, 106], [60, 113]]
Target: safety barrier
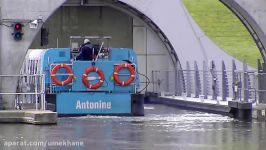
[[30, 90], [220, 85]]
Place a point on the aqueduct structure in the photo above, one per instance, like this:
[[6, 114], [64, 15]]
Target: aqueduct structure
[[162, 33]]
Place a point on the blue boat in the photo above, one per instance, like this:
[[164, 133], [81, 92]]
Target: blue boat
[[106, 84]]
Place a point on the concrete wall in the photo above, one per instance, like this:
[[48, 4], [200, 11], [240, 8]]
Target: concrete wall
[[169, 16], [12, 52], [152, 53], [93, 21], [98, 20]]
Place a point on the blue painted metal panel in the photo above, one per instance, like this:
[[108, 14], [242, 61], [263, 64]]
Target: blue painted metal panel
[[124, 75], [52, 56], [79, 68], [119, 54], [93, 103], [76, 98], [108, 68]]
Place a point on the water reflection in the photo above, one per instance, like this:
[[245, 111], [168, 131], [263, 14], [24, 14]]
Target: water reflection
[[162, 128]]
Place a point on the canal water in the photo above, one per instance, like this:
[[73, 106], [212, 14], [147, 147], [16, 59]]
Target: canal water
[[162, 128]]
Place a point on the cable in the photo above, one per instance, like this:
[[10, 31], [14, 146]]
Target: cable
[[146, 82], [141, 75]]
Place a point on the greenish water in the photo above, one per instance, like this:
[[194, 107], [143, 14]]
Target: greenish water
[[163, 128], [224, 28]]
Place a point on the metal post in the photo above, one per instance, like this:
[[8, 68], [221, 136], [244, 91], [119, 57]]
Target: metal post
[[240, 86], [157, 84], [260, 81], [188, 79], [214, 81], [178, 83], [245, 82], [234, 81], [204, 80], [197, 80], [36, 91], [182, 82], [183, 85], [224, 83], [51, 83], [152, 77], [167, 81], [43, 92]]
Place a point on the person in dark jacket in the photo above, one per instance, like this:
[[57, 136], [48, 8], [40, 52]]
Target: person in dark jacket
[[86, 51]]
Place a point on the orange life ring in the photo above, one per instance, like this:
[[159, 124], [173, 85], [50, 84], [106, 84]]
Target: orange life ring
[[131, 70], [59, 82], [87, 83]]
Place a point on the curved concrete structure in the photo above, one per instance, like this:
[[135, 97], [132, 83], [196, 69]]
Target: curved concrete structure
[[168, 19], [12, 53], [252, 26]]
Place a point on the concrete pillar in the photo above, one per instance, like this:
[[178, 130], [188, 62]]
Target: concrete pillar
[[12, 52]]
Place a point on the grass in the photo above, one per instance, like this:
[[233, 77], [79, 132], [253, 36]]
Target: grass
[[224, 28]]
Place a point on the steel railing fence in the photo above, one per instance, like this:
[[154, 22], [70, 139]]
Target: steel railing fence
[[237, 85], [30, 90]]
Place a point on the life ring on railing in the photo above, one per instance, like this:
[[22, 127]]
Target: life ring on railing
[[69, 72], [87, 83], [131, 70]]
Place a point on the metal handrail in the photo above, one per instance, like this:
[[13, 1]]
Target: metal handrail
[[36, 93], [251, 84]]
